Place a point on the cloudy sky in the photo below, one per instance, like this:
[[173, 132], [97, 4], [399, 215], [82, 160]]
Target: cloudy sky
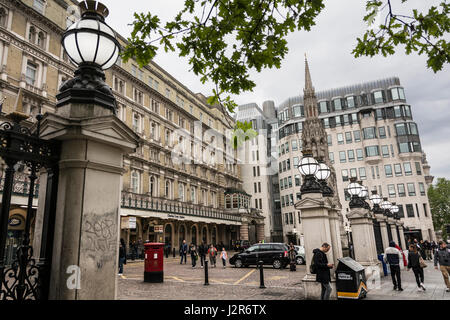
[[328, 46]]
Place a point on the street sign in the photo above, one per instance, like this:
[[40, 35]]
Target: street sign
[[132, 223]]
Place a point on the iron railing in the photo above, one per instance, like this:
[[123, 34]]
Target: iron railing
[[148, 203], [21, 188]]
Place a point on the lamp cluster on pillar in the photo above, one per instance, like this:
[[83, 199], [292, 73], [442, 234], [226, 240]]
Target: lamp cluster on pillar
[[92, 45], [358, 194], [316, 173]]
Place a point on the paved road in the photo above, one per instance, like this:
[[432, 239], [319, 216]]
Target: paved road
[[182, 282]]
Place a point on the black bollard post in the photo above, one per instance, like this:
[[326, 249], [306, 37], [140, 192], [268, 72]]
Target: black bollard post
[[174, 252], [206, 273], [261, 275]]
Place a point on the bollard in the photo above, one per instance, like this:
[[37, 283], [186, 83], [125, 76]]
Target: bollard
[[261, 275], [206, 273], [174, 252]]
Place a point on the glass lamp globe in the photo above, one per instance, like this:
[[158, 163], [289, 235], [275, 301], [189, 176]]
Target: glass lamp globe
[[364, 192], [323, 173], [385, 205], [91, 40], [376, 199], [308, 166], [354, 188], [394, 209]]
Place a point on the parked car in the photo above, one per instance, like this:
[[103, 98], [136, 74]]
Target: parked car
[[275, 254], [300, 257], [241, 245]]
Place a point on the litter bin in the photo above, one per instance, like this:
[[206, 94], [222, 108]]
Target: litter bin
[[385, 269], [154, 262], [350, 279]]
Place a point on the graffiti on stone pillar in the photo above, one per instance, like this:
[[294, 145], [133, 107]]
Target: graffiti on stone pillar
[[99, 241]]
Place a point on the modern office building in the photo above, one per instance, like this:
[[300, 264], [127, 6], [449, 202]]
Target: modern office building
[[371, 135], [163, 199], [259, 167]]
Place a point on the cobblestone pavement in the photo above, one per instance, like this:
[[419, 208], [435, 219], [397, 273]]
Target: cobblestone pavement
[[182, 282], [434, 284]]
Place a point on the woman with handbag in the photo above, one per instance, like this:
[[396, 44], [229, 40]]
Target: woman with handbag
[[416, 263]]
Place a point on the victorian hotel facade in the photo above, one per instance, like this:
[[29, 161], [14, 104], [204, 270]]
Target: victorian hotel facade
[[164, 199], [371, 136]]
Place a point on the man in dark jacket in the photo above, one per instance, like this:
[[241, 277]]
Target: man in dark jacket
[[442, 257], [122, 256], [393, 256], [202, 249], [183, 252], [322, 269]]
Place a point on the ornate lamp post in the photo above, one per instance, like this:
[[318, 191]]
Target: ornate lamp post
[[92, 45], [394, 210], [308, 167], [386, 206], [322, 174], [354, 189], [376, 200]]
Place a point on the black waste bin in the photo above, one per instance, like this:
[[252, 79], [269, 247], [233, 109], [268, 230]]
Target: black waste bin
[[350, 279]]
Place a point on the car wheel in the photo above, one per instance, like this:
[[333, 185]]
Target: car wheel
[[277, 264], [238, 263], [300, 260]]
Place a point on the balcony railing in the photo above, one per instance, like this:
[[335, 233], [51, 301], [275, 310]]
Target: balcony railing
[[21, 188], [148, 203]]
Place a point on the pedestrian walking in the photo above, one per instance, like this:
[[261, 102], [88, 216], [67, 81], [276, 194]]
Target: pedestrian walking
[[442, 257], [183, 252], [292, 253], [202, 250], [434, 247], [122, 256], [194, 254], [224, 257], [321, 268], [212, 253], [393, 256], [414, 263]]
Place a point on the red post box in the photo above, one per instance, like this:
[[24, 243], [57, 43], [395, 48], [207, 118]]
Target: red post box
[[154, 263]]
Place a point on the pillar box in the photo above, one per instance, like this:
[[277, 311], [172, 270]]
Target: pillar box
[[364, 241], [154, 262]]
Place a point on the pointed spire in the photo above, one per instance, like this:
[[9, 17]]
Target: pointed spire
[[308, 82]]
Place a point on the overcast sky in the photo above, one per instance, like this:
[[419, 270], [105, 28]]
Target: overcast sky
[[328, 46]]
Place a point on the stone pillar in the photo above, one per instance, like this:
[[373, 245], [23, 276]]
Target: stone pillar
[[383, 227], [364, 240], [243, 232], [392, 225], [402, 235], [38, 224], [260, 232], [335, 229], [87, 226], [316, 230]]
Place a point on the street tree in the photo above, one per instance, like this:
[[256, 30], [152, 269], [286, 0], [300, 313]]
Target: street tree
[[439, 197], [225, 39]]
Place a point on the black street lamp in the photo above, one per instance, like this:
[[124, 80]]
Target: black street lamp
[[322, 174], [386, 206], [395, 209], [92, 45], [355, 189], [308, 167], [376, 200]]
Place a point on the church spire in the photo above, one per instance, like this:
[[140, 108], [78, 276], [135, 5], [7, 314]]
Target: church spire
[[309, 89], [309, 96]]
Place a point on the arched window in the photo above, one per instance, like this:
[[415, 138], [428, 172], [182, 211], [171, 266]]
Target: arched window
[[152, 186], [135, 181], [3, 17], [41, 40], [32, 35], [168, 190]]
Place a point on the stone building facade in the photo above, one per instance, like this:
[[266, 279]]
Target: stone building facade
[[176, 182]]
